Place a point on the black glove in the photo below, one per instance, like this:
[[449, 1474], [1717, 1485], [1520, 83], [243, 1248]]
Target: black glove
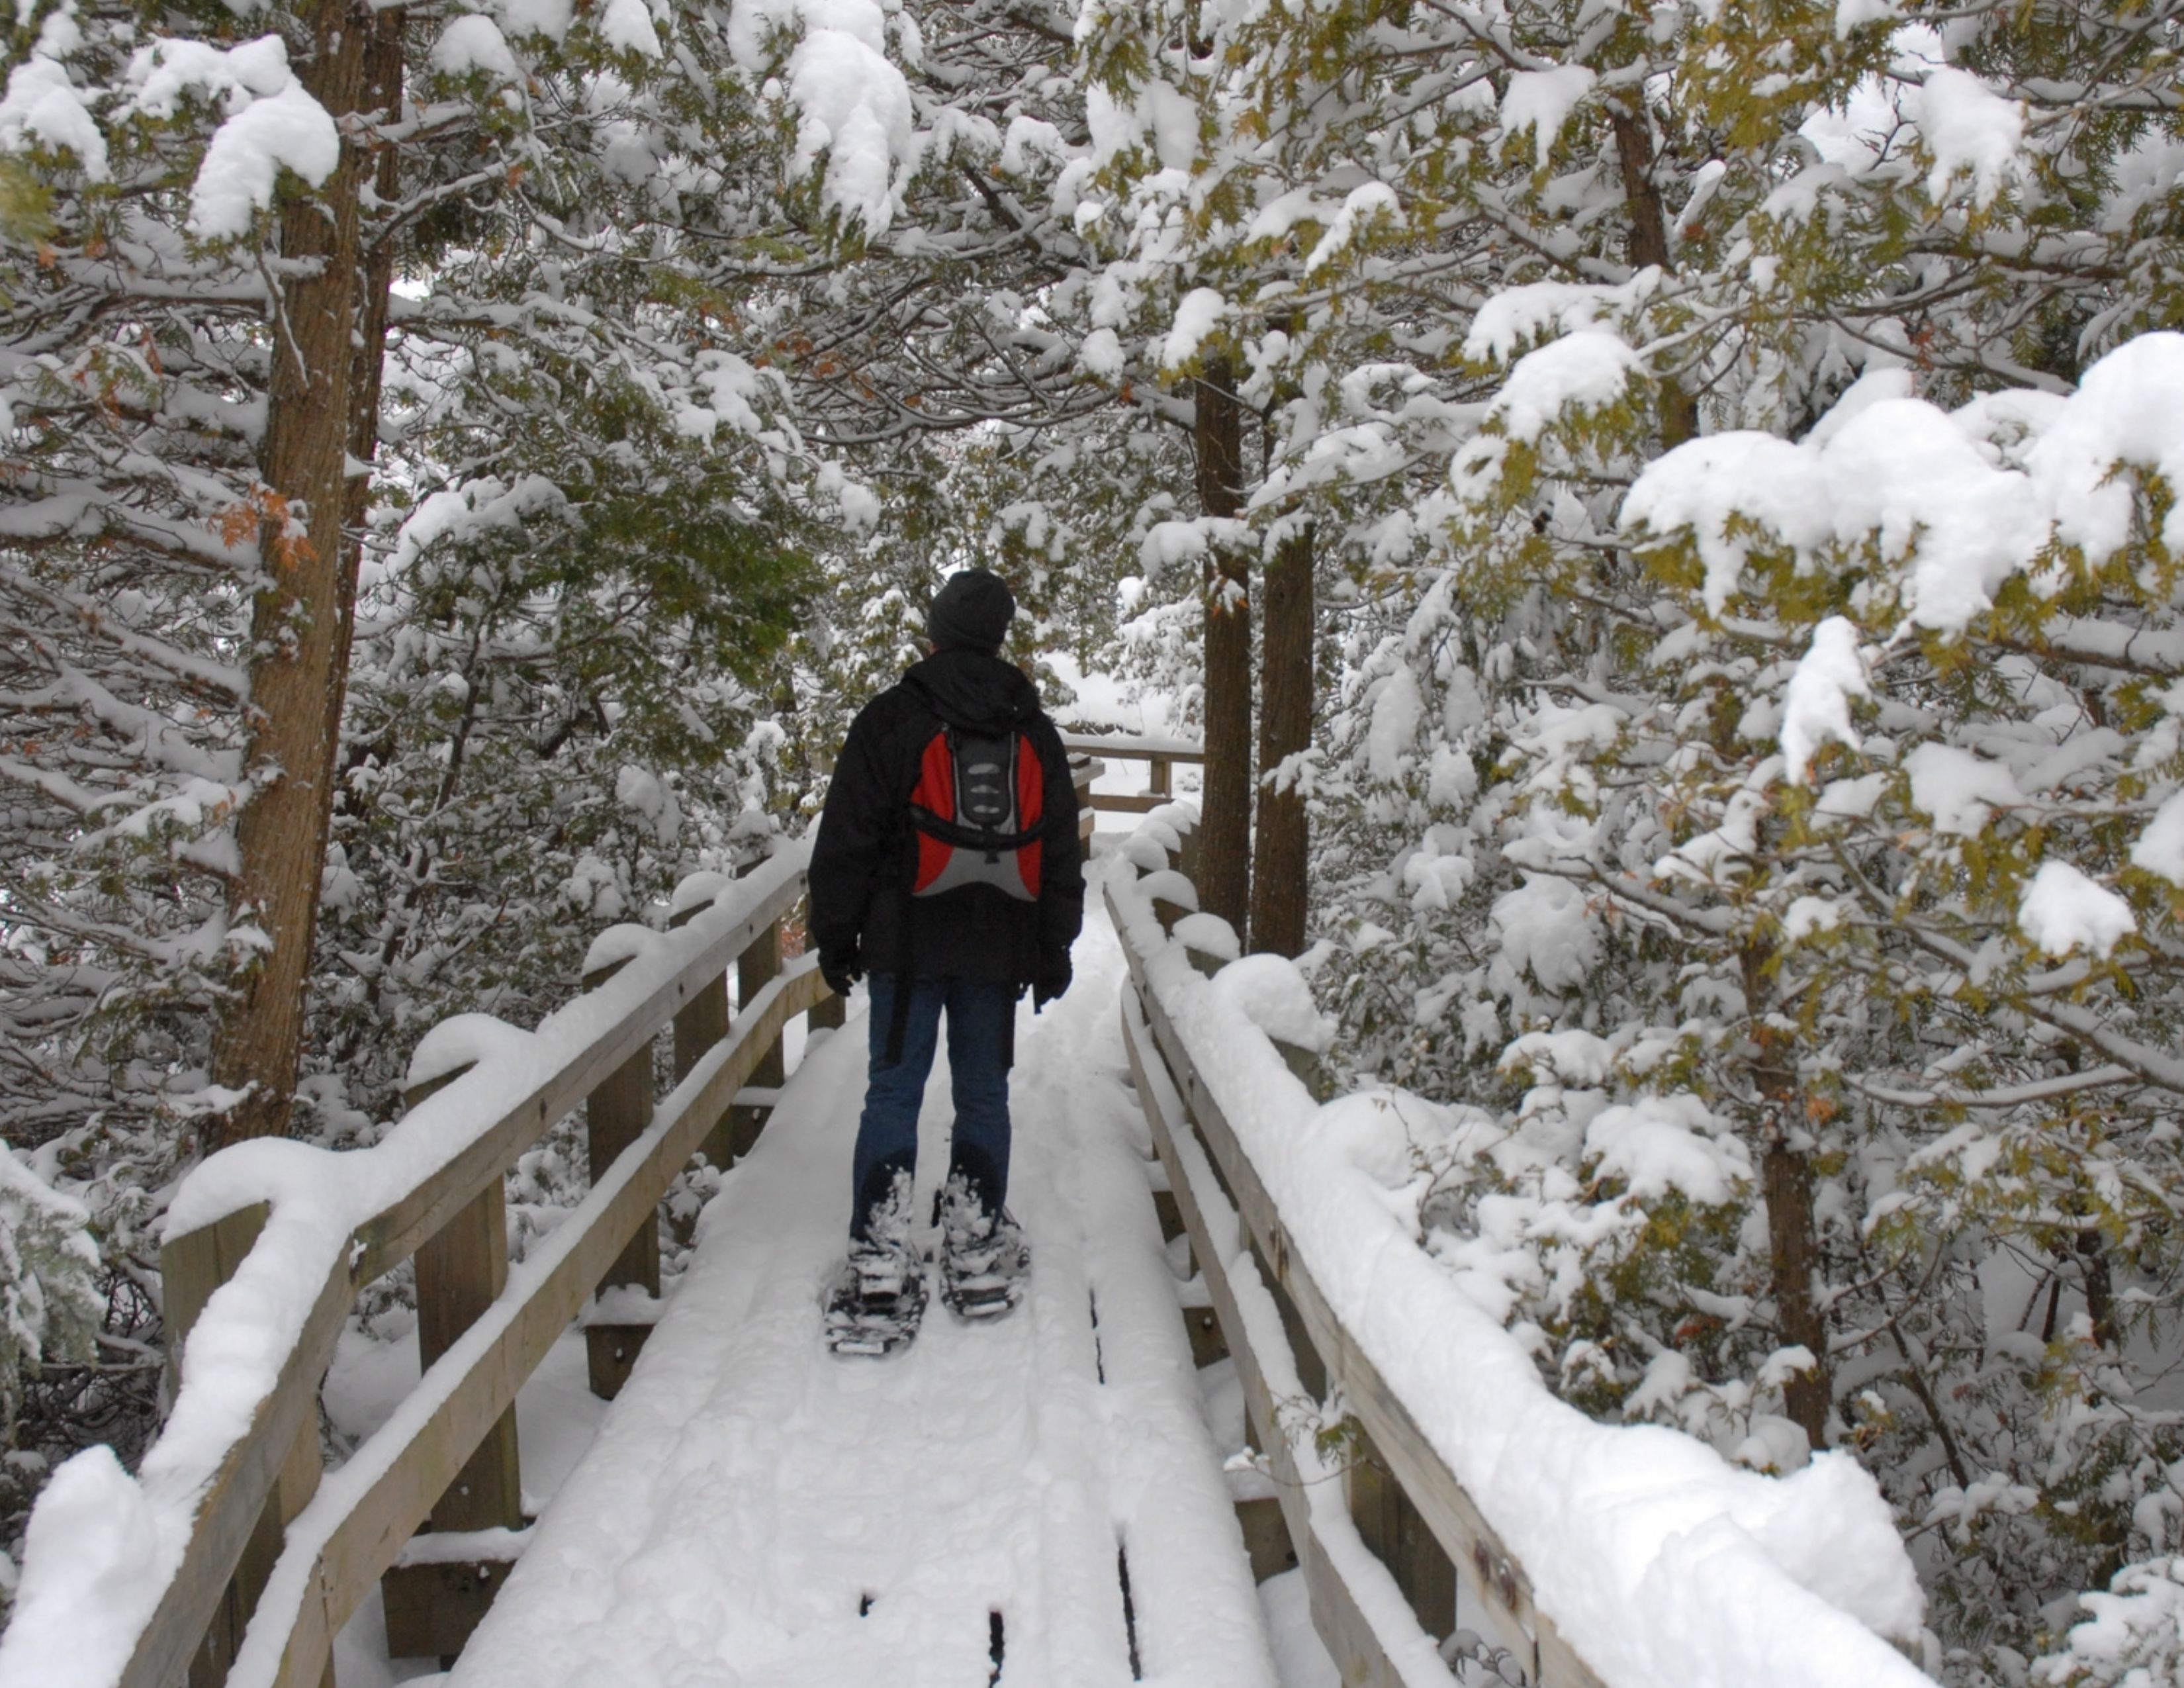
[[1053, 979], [841, 971]]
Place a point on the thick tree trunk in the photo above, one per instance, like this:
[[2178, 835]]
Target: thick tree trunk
[[1649, 246], [1785, 1175], [1282, 842], [1224, 828], [325, 332]]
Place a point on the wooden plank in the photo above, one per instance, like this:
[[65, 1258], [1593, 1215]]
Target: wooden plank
[[460, 1273], [700, 1025], [191, 1270], [702, 1020], [434, 1607], [758, 964], [1171, 1217], [202, 1262], [1348, 1634], [1265, 1538], [293, 1490], [830, 1010], [1129, 802], [1208, 1343], [1398, 1537], [365, 1541], [615, 1115], [1488, 1575], [738, 1133]]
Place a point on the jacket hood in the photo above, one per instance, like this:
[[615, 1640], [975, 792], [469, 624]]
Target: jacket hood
[[974, 692]]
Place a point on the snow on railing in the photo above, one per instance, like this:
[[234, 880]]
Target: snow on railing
[[1160, 756], [145, 1581], [1477, 1515]]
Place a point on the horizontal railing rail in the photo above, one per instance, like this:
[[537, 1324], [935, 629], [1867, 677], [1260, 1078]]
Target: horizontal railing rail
[[1408, 1574], [1162, 754]]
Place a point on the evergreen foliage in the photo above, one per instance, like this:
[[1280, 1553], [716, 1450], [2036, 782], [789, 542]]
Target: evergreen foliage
[[1730, 436]]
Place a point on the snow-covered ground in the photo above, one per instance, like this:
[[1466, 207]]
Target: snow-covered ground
[[755, 1511]]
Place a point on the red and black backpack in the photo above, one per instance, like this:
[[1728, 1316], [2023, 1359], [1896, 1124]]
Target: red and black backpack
[[977, 814]]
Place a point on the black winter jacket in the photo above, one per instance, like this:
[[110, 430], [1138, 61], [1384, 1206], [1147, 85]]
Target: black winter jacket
[[862, 863]]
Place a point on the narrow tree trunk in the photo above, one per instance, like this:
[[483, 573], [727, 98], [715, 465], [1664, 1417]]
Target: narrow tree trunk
[[1793, 1245], [1224, 828], [1649, 246], [1785, 1174], [1281, 842], [382, 94], [300, 624], [2100, 1290]]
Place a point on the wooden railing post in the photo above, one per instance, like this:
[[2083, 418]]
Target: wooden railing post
[[461, 1270], [705, 1021], [615, 1114], [830, 1011], [1157, 776], [759, 963], [700, 1025], [1186, 859], [190, 1267], [1392, 1526]]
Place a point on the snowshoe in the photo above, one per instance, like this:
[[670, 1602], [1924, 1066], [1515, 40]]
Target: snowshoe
[[985, 1259], [878, 1298]]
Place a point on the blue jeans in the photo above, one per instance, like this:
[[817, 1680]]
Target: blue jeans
[[981, 1028]]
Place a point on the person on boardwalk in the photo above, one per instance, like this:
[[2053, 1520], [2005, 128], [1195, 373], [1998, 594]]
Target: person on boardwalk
[[947, 867]]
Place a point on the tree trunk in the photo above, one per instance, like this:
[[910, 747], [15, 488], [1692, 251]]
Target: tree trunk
[[1649, 246], [383, 93], [322, 336], [2100, 1289], [1785, 1172], [1793, 1245], [1224, 828], [1281, 842]]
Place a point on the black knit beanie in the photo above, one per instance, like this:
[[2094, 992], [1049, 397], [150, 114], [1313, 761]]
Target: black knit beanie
[[971, 612]]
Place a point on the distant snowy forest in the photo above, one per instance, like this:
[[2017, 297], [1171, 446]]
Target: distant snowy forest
[[1666, 512]]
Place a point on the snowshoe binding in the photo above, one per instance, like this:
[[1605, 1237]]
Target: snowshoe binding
[[985, 1259], [878, 1298]]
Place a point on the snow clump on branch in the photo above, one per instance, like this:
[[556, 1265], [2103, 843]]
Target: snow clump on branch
[[1959, 501], [853, 105], [272, 122]]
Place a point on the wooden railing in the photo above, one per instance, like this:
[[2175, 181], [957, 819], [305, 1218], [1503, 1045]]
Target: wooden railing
[[279, 1552], [1407, 1574], [1160, 754], [264, 1554]]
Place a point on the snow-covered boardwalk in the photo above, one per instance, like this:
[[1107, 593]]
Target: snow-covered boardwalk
[[756, 1511], [1042, 1499]]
